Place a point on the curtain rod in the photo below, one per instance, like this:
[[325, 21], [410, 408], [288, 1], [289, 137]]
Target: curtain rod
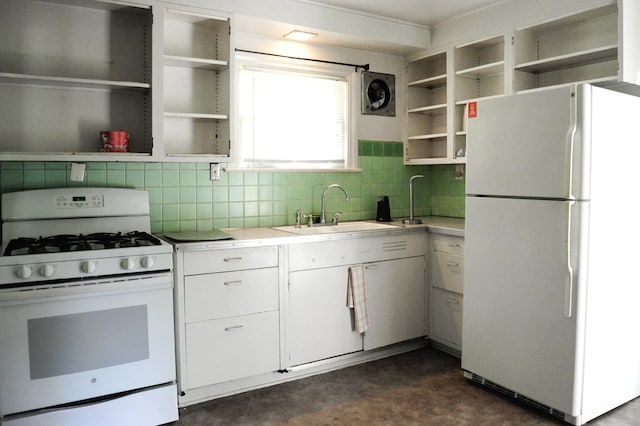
[[364, 67]]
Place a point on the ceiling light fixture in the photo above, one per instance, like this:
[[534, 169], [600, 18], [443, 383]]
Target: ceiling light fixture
[[299, 35]]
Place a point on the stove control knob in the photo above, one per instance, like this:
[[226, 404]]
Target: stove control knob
[[128, 264], [24, 272], [88, 267], [147, 262], [46, 270]]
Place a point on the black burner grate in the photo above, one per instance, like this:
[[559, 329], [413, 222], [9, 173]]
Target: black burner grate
[[68, 243]]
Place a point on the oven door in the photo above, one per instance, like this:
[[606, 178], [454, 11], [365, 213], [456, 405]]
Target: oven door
[[78, 340]]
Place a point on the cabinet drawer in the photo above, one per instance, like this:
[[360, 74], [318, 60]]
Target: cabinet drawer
[[448, 243], [325, 254], [447, 271], [232, 348], [446, 317], [212, 296], [202, 262]]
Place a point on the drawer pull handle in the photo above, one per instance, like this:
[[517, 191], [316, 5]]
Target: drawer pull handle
[[371, 267], [237, 282], [233, 328], [232, 259], [456, 301], [454, 245], [452, 264]]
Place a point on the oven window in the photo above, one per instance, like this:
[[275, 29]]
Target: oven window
[[87, 341]]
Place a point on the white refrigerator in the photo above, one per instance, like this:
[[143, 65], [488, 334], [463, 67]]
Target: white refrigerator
[[552, 260]]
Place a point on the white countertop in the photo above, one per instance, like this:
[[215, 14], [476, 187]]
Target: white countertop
[[245, 237], [440, 225]]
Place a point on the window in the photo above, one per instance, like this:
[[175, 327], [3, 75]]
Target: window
[[293, 116]]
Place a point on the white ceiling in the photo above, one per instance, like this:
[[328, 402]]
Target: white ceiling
[[422, 12]]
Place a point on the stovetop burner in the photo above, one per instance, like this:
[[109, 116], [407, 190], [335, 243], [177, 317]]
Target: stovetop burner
[[68, 243]]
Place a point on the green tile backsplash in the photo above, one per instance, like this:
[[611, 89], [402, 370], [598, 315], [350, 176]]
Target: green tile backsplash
[[183, 198]]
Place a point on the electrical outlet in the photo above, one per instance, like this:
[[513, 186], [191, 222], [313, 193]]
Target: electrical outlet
[[77, 172], [214, 171], [459, 172]]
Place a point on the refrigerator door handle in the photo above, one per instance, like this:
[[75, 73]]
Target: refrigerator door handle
[[568, 284], [571, 135]]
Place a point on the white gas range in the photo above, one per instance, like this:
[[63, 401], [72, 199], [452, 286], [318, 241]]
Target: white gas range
[[86, 310]]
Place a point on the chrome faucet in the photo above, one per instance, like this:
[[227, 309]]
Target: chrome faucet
[[324, 193], [412, 220], [298, 218]]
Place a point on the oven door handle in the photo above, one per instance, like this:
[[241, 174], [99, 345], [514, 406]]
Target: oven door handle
[[89, 288]]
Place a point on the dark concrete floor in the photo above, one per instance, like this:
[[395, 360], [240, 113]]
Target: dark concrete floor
[[423, 387]]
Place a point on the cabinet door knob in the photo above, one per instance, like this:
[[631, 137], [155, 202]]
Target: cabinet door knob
[[24, 272]]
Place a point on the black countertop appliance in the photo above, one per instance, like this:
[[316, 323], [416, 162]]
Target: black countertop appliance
[[384, 210]]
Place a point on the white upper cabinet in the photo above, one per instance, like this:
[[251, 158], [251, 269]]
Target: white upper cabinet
[[479, 73], [598, 45], [436, 129], [628, 41], [479, 69], [70, 69], [426, 140], [582, 47], [196, 86]]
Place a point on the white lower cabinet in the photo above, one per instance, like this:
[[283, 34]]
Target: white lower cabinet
[[446, 282], [228, 310], [320, 325], [232, 348], [232, 325], [446, 318], [396, 301], [247, 314]]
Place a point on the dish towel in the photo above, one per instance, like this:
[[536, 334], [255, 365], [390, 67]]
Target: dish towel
[[357, 298]]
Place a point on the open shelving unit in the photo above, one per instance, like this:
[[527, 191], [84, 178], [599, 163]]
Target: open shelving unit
[[197, 81], [480, 69], [70, 69], [427, 110], [581, 47], [479, 73], [598, 46]]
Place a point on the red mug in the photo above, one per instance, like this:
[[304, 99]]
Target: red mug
[[114, 141]]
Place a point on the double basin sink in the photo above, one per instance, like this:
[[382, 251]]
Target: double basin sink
[[355, 226]]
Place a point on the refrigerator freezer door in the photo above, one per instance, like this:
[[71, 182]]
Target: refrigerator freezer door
[[520, 145], [517, 331]]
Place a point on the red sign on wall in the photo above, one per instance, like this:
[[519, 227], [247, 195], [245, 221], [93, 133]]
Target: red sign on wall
[[472, 110]]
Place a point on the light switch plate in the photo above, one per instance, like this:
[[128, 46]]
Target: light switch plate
[[214, 171]]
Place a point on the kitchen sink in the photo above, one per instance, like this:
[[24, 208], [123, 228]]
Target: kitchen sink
[[334, 229]]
